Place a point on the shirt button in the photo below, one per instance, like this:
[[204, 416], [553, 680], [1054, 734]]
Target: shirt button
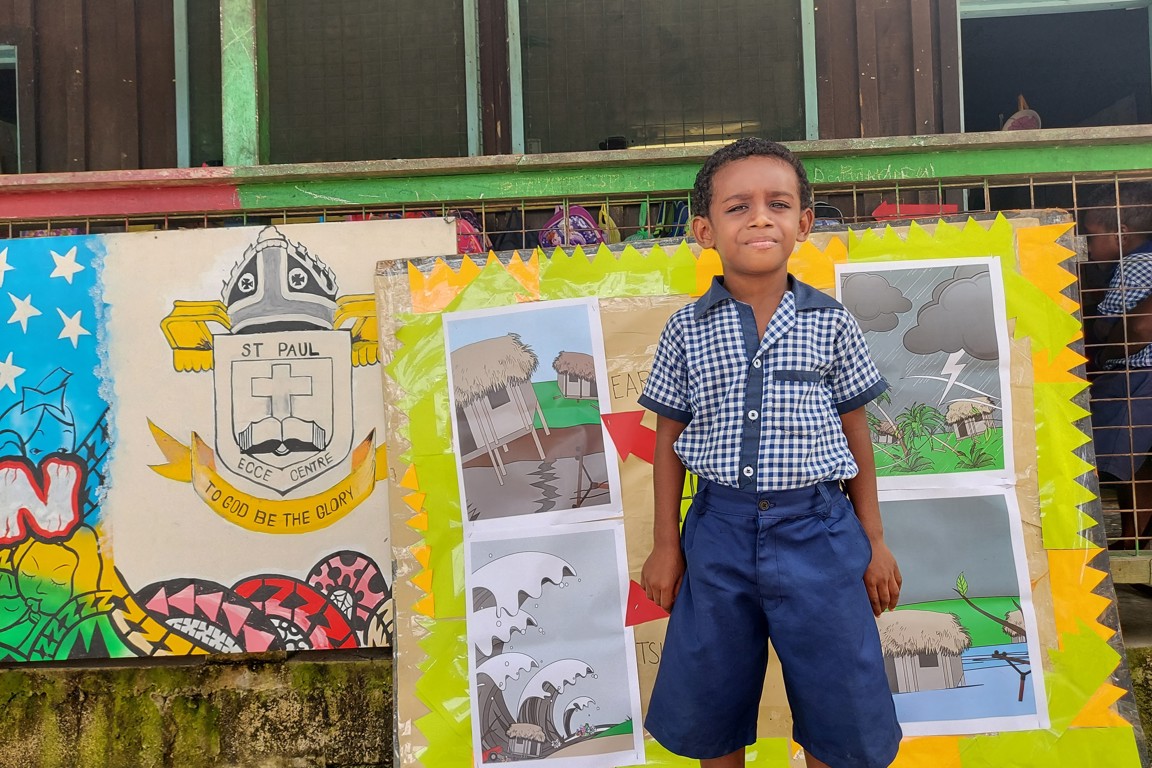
[[764, 505], [753, 415], [756, 363], [748, 471]]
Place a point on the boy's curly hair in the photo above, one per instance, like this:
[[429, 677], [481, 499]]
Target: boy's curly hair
[[749, 146], [1133, 210]]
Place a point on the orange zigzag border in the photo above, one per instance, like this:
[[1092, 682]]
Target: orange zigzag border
[[1072, 576]]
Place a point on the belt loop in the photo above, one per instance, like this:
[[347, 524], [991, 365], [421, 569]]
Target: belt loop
[[700, 498], [826, 496]]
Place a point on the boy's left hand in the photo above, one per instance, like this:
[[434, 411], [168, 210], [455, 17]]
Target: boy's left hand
[[882, 579]]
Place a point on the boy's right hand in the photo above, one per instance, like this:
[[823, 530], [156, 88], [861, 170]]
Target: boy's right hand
[[662, 573]]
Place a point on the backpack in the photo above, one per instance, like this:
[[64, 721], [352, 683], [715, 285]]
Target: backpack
[[641, 232], [509, 233], [671, 219], [470, 236], [578, 227]]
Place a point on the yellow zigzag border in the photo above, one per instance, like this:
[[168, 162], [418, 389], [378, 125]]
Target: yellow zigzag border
[[1086, 698]]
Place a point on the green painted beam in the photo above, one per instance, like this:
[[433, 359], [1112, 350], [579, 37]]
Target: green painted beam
[[973, 163], [523, 179], [241, 43]]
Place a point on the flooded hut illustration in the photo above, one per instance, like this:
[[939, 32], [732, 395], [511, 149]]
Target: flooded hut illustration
[[525, 740], [495, 401], [576, 375], [1015, 617], [970, 417], [922, 650]]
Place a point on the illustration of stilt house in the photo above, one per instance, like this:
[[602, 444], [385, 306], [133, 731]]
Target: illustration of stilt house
[[922, 650], [495, 401], [576, 375]]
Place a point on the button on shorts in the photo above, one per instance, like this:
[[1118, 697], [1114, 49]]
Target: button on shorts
[[790, 566]]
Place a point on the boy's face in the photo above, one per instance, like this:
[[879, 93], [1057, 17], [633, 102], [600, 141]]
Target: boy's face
[[756, 217], [1104, 243]]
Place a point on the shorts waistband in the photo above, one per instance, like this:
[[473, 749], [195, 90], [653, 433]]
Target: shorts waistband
[[795, 501]]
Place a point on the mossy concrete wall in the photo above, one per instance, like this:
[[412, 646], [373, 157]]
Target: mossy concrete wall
[[252, 712], [1140, 666]]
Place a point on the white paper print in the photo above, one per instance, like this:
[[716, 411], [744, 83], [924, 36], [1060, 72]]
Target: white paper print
[[553, 668], [528, 385]]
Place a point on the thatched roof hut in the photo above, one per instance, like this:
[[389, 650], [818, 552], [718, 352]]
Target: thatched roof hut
[[887, 428], [489, 365], [578, 365], [1015, 616], [905, 633], [967, 408], [526, 731]]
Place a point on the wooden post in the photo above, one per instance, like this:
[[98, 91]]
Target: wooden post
[[243, 87]]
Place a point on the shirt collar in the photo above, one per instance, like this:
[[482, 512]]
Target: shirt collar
[[806, 297]]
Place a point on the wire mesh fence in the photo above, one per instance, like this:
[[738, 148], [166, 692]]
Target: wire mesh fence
[[1113, 272]]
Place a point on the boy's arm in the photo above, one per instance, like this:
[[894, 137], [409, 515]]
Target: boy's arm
[[882, 578], [664, 567]]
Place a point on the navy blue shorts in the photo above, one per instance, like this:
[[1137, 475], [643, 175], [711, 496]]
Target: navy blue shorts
[[1122, 420], [789, 565]]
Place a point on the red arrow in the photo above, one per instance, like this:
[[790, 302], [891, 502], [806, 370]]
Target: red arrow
[[640, 608], [887, 210], [630, 436]]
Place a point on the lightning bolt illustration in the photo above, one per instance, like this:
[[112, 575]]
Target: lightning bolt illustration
[[952, 370]]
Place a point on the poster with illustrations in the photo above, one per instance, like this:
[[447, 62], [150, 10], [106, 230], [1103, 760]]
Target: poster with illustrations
[[1002, 650], [961, 647], [527, 386], [553, 670], [191, 441], [938, 334]]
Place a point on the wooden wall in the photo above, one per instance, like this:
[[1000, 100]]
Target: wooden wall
[[101, 89], [887, 68]]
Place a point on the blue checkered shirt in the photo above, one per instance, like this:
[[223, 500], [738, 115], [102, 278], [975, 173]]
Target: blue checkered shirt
[[763, 414], [1131, 284]]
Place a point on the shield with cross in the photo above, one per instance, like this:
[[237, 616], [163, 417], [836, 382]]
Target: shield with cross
[[283, 405]]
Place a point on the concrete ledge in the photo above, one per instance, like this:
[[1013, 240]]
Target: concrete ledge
[[256, 712], [1130, 569]]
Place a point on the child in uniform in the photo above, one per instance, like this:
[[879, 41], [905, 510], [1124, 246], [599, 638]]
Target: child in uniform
[[1120, 241], [759, 389]]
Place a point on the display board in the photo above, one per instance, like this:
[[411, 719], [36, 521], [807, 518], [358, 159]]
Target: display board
[[521, 507], [192, 439]]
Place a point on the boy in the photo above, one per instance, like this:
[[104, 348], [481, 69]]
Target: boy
[[1121, 396], [759, 389]]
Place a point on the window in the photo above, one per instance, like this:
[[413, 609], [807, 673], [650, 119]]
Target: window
[[618, 73], [365, 80], [1087, 66]]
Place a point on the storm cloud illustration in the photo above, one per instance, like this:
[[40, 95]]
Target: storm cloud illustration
[[873, 301], [959, 317]]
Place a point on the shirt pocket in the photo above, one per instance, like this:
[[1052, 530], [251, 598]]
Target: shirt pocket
[[800, 402]]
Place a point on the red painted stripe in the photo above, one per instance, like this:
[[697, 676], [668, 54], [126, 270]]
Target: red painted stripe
[[118, 201]]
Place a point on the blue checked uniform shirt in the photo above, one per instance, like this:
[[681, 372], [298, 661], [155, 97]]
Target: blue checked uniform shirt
[[1131, 284], [763, 414]]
